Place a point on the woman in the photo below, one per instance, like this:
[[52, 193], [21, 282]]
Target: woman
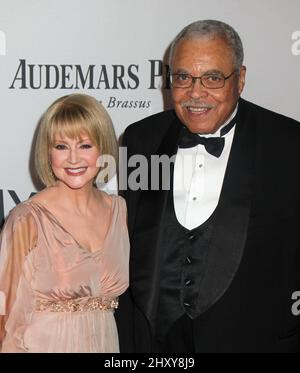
[[64, 252]]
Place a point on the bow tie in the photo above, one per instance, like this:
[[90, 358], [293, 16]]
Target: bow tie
[[213, 145]]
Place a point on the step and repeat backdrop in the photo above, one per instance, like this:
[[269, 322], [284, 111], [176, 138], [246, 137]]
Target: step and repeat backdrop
[[115, 50]]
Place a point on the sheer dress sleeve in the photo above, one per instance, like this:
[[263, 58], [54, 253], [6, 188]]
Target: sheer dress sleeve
[[18, 238]]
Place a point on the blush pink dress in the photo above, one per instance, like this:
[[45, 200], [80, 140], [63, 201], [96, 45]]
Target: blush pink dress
[[56, 296]]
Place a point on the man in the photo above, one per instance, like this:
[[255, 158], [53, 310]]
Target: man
[[215, 258]]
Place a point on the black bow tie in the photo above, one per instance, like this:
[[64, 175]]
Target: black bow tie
[[213, 145]]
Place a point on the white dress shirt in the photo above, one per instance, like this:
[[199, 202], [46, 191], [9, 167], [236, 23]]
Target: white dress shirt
[[198, 179]]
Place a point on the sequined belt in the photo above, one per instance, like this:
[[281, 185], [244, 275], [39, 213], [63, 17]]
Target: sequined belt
[[77, 305]]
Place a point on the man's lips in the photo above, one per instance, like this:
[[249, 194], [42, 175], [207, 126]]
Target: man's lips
[[198, 110]]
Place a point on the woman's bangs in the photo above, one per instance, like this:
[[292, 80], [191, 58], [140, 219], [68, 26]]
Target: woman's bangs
[[75, 129]]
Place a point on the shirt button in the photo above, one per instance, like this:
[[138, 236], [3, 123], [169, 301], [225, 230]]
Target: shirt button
[[188, 260], [194, 198], [191, 237], [188, 282], [200, 165], [186, 304]]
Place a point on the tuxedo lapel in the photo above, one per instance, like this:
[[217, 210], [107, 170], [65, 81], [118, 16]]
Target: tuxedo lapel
[[232, 215]]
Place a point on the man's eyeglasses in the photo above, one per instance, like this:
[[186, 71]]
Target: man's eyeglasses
[[208, 80]]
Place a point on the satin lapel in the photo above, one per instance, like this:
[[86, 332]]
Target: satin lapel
[[145, 241], [232, 215]]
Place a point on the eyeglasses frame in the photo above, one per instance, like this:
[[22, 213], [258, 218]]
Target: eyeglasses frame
[[194, 78]]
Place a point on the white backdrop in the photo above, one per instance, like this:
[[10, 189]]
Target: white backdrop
[[112, 49]]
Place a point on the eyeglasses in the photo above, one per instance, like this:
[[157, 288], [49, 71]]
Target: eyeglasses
[[208, 80]]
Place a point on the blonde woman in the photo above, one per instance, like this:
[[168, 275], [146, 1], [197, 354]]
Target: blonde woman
[[65, 251]]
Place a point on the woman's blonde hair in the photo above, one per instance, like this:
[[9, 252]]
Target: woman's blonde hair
[[72, 116]]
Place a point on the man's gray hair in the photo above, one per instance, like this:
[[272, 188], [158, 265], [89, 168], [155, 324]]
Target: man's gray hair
[[211, 28]]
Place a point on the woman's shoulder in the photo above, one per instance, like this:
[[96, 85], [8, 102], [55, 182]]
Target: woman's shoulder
[[119, 202], [112, 198], [117, 206], [44, 196], [21, 222], [21, 210], [27, 210]]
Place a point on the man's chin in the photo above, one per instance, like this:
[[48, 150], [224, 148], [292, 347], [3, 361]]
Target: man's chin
[[201, 128]]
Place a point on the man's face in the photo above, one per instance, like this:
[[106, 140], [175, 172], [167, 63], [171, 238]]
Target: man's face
[[201, 109]]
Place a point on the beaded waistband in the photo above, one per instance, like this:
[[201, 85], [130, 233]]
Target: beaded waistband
[[77, 305]]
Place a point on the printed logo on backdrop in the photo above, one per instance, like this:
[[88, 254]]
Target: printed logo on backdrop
[[296, 44], [104, 77], [2, 43]]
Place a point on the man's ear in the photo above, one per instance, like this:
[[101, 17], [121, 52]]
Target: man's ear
[[242, 79]]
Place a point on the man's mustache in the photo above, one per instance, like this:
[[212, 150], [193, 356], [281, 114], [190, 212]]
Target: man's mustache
[[197, 104]]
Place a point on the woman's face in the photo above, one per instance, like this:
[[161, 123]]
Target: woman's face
[[74, 161]]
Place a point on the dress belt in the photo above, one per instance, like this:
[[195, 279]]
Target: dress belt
[[77, 305]]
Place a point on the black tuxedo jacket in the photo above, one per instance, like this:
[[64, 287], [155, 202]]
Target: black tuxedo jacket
[[254, 263]]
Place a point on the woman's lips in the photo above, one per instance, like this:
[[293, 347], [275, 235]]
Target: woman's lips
[[78, 171]]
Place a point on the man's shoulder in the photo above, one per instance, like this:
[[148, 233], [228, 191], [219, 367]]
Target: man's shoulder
[[268, 116], [154, 124]]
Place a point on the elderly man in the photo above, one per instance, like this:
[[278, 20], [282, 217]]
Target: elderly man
[[215, 257]]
